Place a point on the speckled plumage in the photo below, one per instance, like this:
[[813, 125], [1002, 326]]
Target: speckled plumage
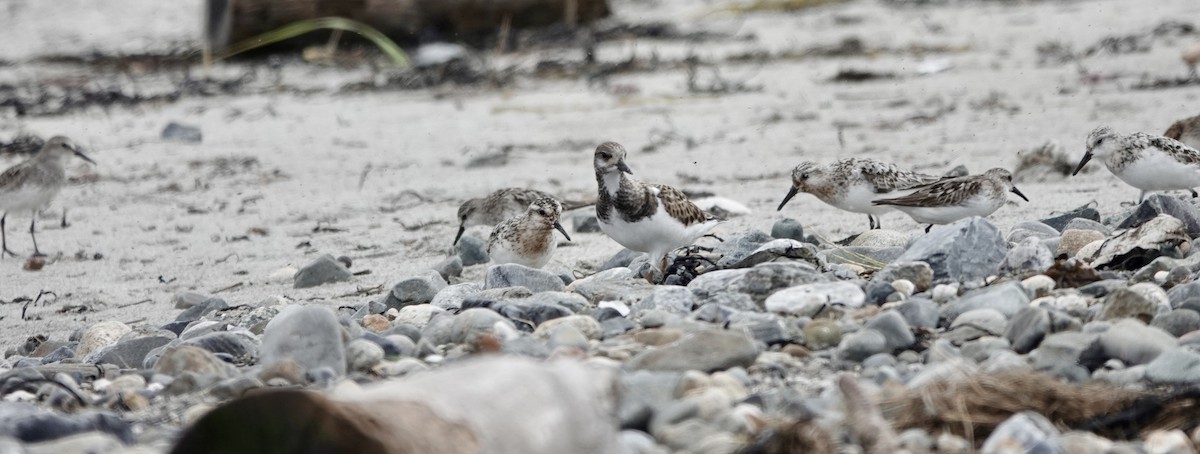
[[501, 205], [1144, 161], [951, 199], [851, 184], [1186, 131], [528, 239], [651, 218], [32, 184]]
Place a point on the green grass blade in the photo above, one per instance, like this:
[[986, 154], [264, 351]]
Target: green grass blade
[[292, 30]]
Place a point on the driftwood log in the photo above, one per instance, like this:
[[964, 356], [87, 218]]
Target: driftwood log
[[231, 21]]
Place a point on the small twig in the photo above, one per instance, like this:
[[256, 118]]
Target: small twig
[[364, 291], [362, 179], [225, 258], [231, 287], [122, 306]]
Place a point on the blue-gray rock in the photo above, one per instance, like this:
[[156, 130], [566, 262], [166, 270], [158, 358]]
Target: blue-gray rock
[[1027, 328], [585, 222], [405, 330], [1101, 288], [1178, 365], [968, 250], [1007, 298], [1031, 229], [237, 344], [894, 328], [195, 312], [769, 330], [184, 300], [1026, 431], [573, 302], [31, 424], [1060, 222], [1131, 249], [643, 393], [779, 250], [622, 259], [670, 298], [758, 282], [615, 326], [514, 275], [1130, 341], [61, 353], [1088, 224], [1061, 349], [472, 250], [919, 273], [451, 297], [1026, 258], [178, 132], [919, 312], [733, 250], [788, 228], [974, 324], [127, 354], [1177, 322], [861, 344], [325, 269], [418, 289], [1180, 293], [712, 313], [707, 351], [310, 335], [389, 346], [737, 301], [362, 355], [1157, 204], [855, 254], [451, 266]]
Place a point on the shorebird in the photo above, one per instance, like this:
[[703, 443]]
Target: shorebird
[[851, 184], [501, 205], [651, 218], [952, 199], [1186, 131], [33, 183], [528, 239], [1144, 161]]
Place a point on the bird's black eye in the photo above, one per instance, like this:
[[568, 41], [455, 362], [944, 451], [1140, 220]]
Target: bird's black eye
[[605, 156], [804, 176], [1100, 141]]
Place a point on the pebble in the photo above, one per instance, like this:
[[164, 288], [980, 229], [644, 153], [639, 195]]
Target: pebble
[[1158, 237], [587, 326], [1073, 240], [472, 250], [309, 335], [201, 309], [788, 228], [1026, 431], [861, 344], [126, 354], [514, 275], [175, 361], [1027, 328], [1061, 221], [1132, 342], [707, 350], [810, 299], [449, 267], [894, 328], [419, 289], [967, 250], [324, 270], [363, 355], [1164, 205], [1007, 298], [1179, 365], [179, 132], [673, 299], [919, 273]]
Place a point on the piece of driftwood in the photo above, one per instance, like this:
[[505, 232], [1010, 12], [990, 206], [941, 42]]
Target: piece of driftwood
[[231, 21]]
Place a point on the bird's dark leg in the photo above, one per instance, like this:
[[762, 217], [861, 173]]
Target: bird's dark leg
[[32, 222], [930, 226], [64, 219], [4, 238], [1194, 194]]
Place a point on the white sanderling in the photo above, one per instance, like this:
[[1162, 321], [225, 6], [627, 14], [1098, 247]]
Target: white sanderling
[[33, 183], [851, 184], [501, 205], [1144, 161], [528, 239], [651, 218], [952, 199]]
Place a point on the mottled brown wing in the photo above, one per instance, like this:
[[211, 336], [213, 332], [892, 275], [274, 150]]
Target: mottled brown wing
[[1175, 131], [947, 192], [889, 177], [1175, 149], [678, 205], [15, 176]]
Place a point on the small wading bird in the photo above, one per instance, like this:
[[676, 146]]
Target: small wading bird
[[952, 199], [33, 183]]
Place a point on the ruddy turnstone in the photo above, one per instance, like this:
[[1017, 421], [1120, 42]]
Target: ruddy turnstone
[[527, 239], [952, 199], [851, 184], [651, 218], [1186, 131], [33, 183], [1144, 161]]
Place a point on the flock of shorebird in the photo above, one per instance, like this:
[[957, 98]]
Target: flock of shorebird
[[657, 219]]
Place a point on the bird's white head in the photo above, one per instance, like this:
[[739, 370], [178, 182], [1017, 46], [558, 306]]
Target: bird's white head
[[60, 147], [610, 158], [548, 211], [1005, 178]]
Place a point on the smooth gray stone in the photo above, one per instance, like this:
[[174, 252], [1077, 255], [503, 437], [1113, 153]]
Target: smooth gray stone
[[1178, 365], [967, 250], [1007, 298], [861, 344], [325, 269], [419, 289], [127, 354], [1027, 328], [1177, 322], [472, 250], [707, 351], [894, 328], [919, 312], [310, 335], [514, 275], [788, 228]]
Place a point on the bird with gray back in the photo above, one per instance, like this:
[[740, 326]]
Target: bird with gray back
[[33, 184]]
